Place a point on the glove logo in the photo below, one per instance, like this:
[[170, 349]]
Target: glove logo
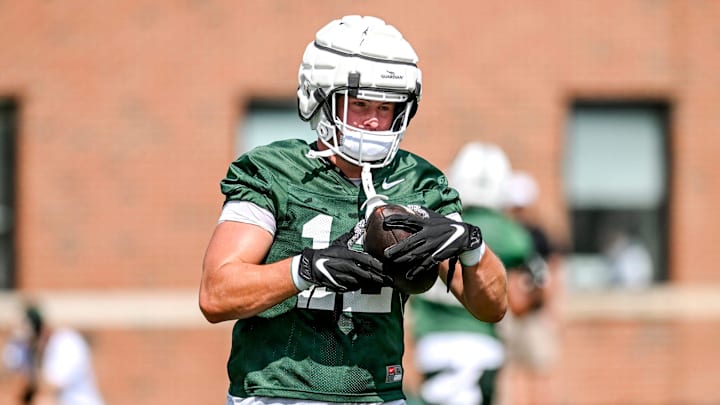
[[387, 186], [320, 264], [459, 231]]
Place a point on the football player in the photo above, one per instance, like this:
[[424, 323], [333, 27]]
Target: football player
[[458, 357], [316, 318]]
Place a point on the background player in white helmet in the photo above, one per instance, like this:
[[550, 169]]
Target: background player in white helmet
[[459, 358], [315, 317]]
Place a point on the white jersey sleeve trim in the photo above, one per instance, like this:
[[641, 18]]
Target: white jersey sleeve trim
[[249, 213]]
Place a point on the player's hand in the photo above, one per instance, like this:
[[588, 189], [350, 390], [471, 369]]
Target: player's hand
[[341, 269], [435, 238]]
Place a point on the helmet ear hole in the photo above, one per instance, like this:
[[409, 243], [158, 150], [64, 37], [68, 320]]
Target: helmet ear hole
[[322, 131]]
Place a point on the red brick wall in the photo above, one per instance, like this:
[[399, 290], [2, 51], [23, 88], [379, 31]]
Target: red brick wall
[[625, 362], [128, 111], [602, 362], [127, 118], [162, 366]]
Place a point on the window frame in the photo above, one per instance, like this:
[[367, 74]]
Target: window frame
[[9, 116], [663, 111]]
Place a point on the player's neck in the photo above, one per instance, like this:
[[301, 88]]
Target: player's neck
[[350, 170]]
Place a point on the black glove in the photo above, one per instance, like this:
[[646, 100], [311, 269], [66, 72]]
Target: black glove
[[435, 238], [341, 269]]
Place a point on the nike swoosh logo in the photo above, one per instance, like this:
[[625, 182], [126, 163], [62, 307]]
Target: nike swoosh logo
[[320, 264], [387, 186], [459, 231]]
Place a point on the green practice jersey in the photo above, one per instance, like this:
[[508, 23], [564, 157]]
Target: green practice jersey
[[322, 345], [508, 240]]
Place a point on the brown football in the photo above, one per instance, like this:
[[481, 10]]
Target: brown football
[[378, 238]]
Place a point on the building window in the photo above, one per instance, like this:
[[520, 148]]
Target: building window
[[267, 121], [616, 184], [8, 114]]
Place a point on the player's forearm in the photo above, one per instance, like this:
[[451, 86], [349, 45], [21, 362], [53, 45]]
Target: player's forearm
[[485, 288], [241, 290]]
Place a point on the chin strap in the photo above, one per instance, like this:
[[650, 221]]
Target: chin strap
[[373, 198], [314, 154]]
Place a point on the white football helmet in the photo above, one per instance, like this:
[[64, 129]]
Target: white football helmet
[[479, 173], [366, 58]]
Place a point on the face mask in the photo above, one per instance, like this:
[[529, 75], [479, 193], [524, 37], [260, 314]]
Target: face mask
[[360, 146], [367, 146]]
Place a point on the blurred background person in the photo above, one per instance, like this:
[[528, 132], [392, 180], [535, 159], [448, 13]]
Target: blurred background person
[[530, 329], [458, 358], [55, 363], [521, 191], [628, 258], [521, 194]]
